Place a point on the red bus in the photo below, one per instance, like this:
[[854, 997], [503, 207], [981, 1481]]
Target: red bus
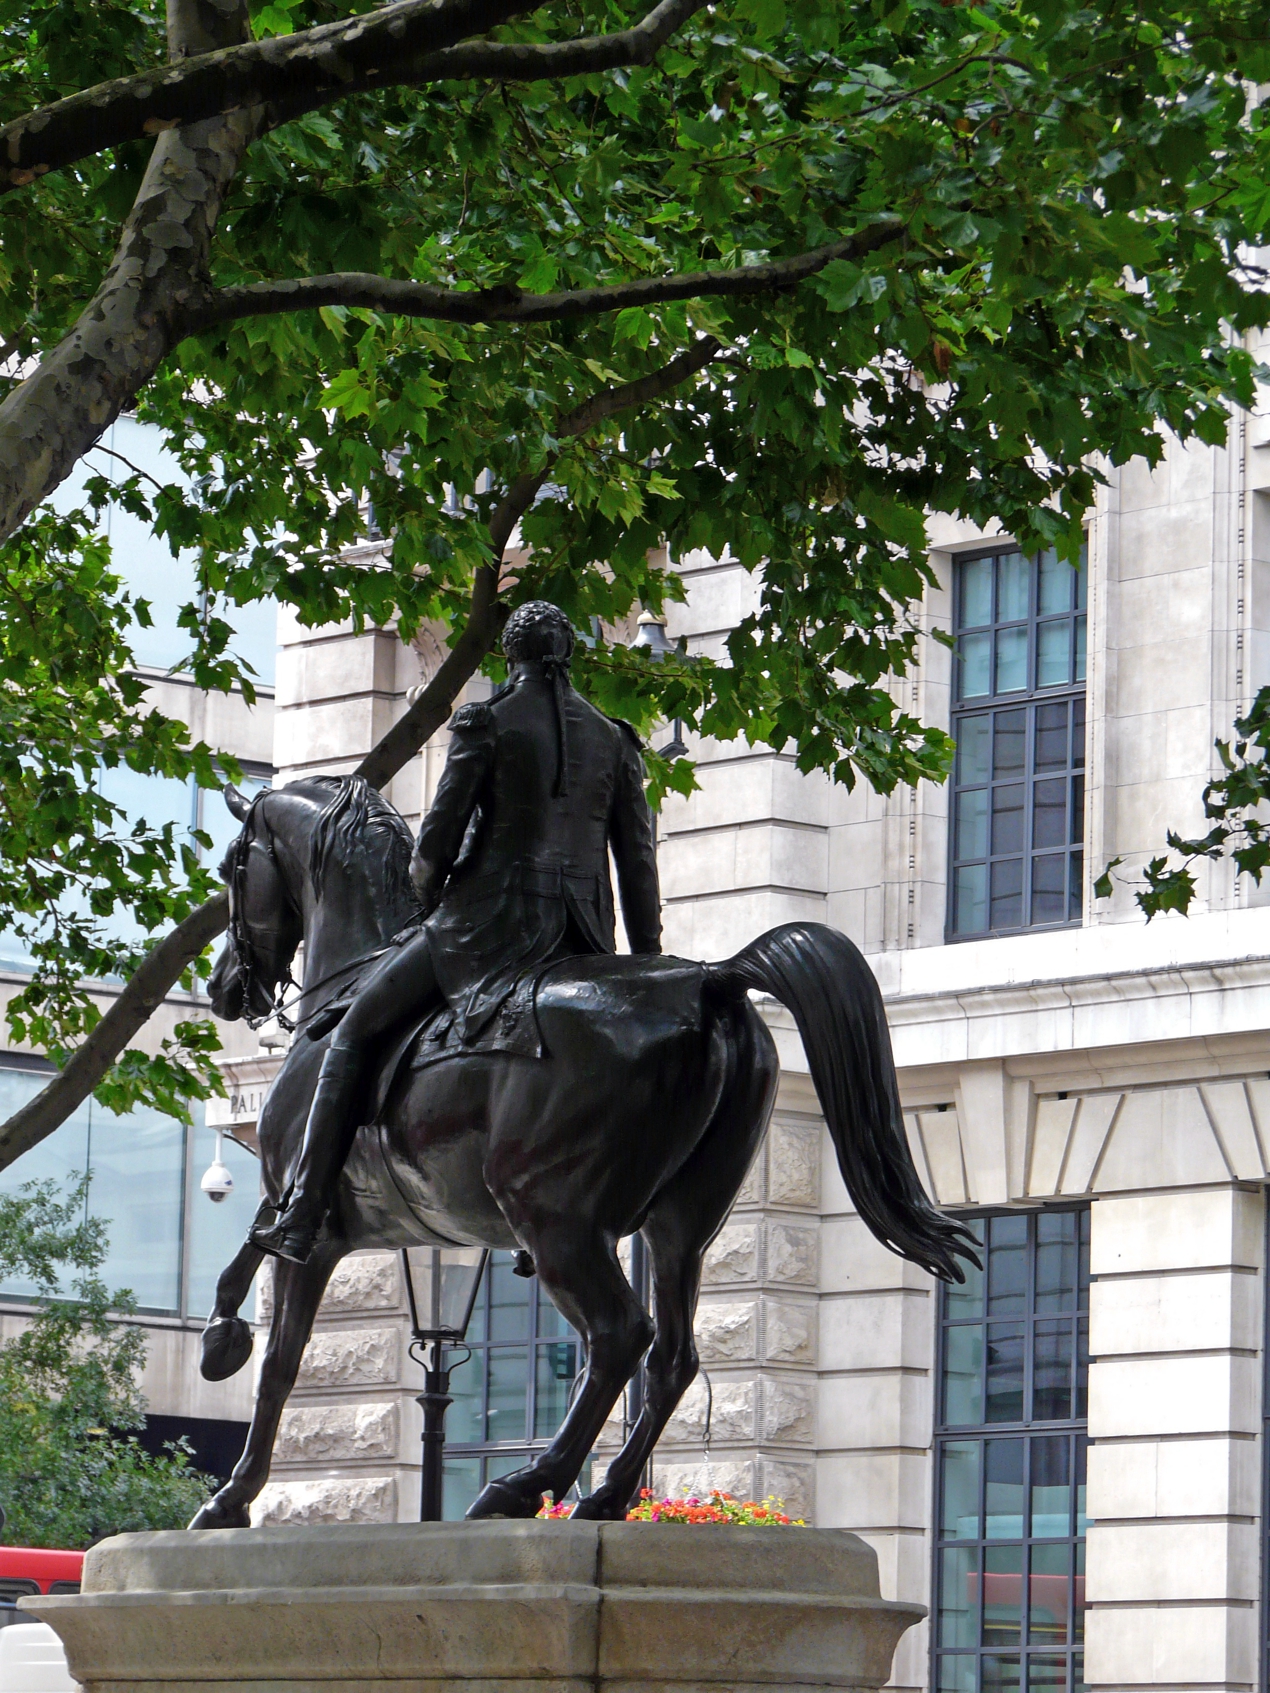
[[27, 1570]]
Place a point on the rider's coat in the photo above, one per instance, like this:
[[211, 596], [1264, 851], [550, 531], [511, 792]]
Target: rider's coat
[[517, 860]]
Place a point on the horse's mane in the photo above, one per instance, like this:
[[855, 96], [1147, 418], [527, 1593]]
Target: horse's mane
[[356, 817]]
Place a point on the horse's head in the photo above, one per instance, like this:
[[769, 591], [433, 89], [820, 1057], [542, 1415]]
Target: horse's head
[[265, 925]]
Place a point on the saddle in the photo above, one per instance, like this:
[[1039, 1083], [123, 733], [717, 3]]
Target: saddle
[[434, 1036]]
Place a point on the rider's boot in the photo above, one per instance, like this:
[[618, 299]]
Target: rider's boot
[[327, 1137]]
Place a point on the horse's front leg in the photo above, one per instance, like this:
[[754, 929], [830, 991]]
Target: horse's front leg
[[297, 1293], [227, 1339]]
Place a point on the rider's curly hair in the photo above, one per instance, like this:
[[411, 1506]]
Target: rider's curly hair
[[538, 630]]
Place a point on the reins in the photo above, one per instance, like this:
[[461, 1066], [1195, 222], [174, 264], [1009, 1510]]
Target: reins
[[302, 991]]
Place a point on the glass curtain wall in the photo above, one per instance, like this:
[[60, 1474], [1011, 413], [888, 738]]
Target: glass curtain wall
[[1010, 1461], [511, 1395], [1019, 724], [168, 1241]]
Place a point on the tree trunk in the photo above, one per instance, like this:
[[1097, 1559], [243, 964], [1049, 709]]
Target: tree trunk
[[159, 274]]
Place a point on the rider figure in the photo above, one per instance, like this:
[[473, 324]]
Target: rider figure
[[512, 871]]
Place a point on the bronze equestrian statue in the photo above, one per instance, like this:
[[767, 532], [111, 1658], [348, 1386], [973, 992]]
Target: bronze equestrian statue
[[538, 785], [515, 1083]]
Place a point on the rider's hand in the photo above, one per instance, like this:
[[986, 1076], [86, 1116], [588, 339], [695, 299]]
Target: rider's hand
[[423, 879]]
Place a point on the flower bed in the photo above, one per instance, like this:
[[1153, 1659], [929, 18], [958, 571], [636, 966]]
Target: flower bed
[[717, 1507]]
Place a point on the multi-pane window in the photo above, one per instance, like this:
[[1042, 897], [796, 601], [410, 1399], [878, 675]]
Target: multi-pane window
[[167, 1242], [1010, 1461], [1019, 724], [511, 1395]]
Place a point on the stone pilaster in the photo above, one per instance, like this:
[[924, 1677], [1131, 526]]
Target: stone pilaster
[[1174, 1457], [874, 1400]]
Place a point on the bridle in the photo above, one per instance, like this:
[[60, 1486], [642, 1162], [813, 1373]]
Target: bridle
[[249, 971]]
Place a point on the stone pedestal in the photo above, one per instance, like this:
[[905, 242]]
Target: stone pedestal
[[503, 1607]]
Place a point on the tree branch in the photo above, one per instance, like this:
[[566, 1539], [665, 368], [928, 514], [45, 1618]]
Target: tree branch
[[487, 614], [405, 43], [135, 1004], [162, 968], [512, 305], [522, 61]]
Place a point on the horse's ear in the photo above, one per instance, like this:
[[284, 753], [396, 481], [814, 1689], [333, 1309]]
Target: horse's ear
[[238, 803]]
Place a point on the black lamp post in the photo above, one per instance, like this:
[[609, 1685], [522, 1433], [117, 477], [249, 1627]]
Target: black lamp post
[[650, 635], [442, 1282]]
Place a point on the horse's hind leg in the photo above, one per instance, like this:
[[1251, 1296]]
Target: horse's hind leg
[[297, 1293], [227, 1338], [579, 1269], [684, 1219]]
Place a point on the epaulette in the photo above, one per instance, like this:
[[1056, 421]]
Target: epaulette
[[631, 730], [474, 716]]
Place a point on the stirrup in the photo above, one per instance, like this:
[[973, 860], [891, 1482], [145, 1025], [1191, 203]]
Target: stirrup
[[285, 1239]]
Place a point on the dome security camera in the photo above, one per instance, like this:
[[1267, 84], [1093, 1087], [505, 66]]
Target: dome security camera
[[217, 1181]]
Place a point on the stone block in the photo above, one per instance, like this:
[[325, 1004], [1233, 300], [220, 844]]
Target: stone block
[[982, 1116], [329, 1499], [877, 1331], [1191, 1646], [853, 1261], [1161, 1563], [1175, 1231], [1183, 1395], [882, 1410], [871, 1491], [792, 1485], [727, 1333], [792, 1254], [942, 1139], [1227, 1106], [1174, 1313], [1094, 1116], [913, 1134], [732, 1255], [364, 1281], [1163, 1136], [789, 1411], [699, 1480], [793, 1164], [1174, 1478], [351, 1358], [729, 1406], [324, 1434], [1050, 1134], [751, 1189], [789, 1332]]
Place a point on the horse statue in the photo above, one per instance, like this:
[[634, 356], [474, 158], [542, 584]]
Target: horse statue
[[642, 1114]]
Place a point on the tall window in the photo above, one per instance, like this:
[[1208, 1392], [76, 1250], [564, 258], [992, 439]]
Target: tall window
[[511, 1395], [1010, 1456], [1019, 724]]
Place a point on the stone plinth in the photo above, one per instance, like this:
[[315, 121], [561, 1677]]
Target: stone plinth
[[505, 1607]]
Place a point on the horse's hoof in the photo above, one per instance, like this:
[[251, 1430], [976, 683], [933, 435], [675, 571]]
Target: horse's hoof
[[218, 1514], [595, 1508], [498, 1500], [226, 1348]]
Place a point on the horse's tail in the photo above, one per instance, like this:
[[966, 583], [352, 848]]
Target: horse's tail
[[818, 975]]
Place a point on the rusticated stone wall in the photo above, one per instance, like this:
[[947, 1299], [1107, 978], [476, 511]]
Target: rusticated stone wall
[[348, 1446]]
